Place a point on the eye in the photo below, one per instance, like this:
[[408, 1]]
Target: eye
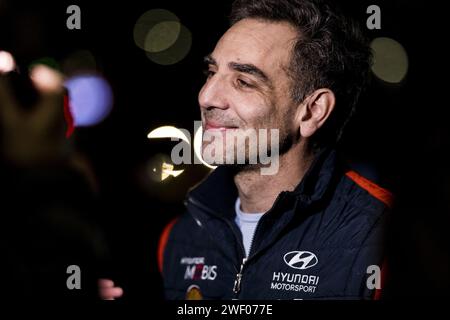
[[208, 73], [243, 83]]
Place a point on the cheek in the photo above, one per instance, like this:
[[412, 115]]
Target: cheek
[[255, 110], [280, 118]]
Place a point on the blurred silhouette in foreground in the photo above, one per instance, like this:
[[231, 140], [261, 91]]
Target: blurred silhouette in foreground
[[47, 199]]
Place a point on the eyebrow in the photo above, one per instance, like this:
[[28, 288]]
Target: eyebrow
[[244, 68]]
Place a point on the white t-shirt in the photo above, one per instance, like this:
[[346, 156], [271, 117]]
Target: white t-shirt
[[247, 223]]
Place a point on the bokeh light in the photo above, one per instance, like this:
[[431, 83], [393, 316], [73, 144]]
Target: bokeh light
[[46, 79], [167, 171], [161, 179], [173, 132], [176, 52], [161, 35], [143, 33], [390, 60], [7, 63], [168, 132], [91, 99], [198, 139], [159, 168]]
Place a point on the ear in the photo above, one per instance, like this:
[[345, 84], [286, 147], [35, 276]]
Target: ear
[[315, 110]]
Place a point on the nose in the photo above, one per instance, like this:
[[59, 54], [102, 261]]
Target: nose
[[213, 94]]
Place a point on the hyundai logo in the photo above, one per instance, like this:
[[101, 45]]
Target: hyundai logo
[[300, 259]]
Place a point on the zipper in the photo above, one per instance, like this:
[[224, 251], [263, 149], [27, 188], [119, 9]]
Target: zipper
[[239, 270], [237, 281]]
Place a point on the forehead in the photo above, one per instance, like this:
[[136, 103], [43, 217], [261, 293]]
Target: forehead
[[263, 43]]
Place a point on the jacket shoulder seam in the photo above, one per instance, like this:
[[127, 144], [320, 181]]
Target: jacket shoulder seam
[[380, 193]]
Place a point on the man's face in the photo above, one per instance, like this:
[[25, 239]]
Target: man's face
[[248, 86]]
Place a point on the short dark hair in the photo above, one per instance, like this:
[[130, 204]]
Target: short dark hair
[[330, 52]]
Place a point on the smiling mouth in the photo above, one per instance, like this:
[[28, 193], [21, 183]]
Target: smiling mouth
[[217, 126]]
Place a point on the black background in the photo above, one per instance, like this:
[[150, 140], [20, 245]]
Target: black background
[[399, 131]]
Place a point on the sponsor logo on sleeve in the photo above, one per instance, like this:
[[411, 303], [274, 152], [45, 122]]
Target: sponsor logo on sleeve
[[196, 269]]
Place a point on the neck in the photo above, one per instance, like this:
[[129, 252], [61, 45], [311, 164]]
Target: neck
[[258, 192]]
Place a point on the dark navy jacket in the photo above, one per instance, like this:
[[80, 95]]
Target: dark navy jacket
[[320, 241]]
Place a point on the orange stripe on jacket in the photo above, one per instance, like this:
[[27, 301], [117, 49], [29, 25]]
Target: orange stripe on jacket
[[375, 190], [163, 242], [384, 196]]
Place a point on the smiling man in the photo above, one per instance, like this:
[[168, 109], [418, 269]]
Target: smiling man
[[311, 230]]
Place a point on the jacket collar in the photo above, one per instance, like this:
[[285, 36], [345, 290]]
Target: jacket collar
[[218, 193]]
